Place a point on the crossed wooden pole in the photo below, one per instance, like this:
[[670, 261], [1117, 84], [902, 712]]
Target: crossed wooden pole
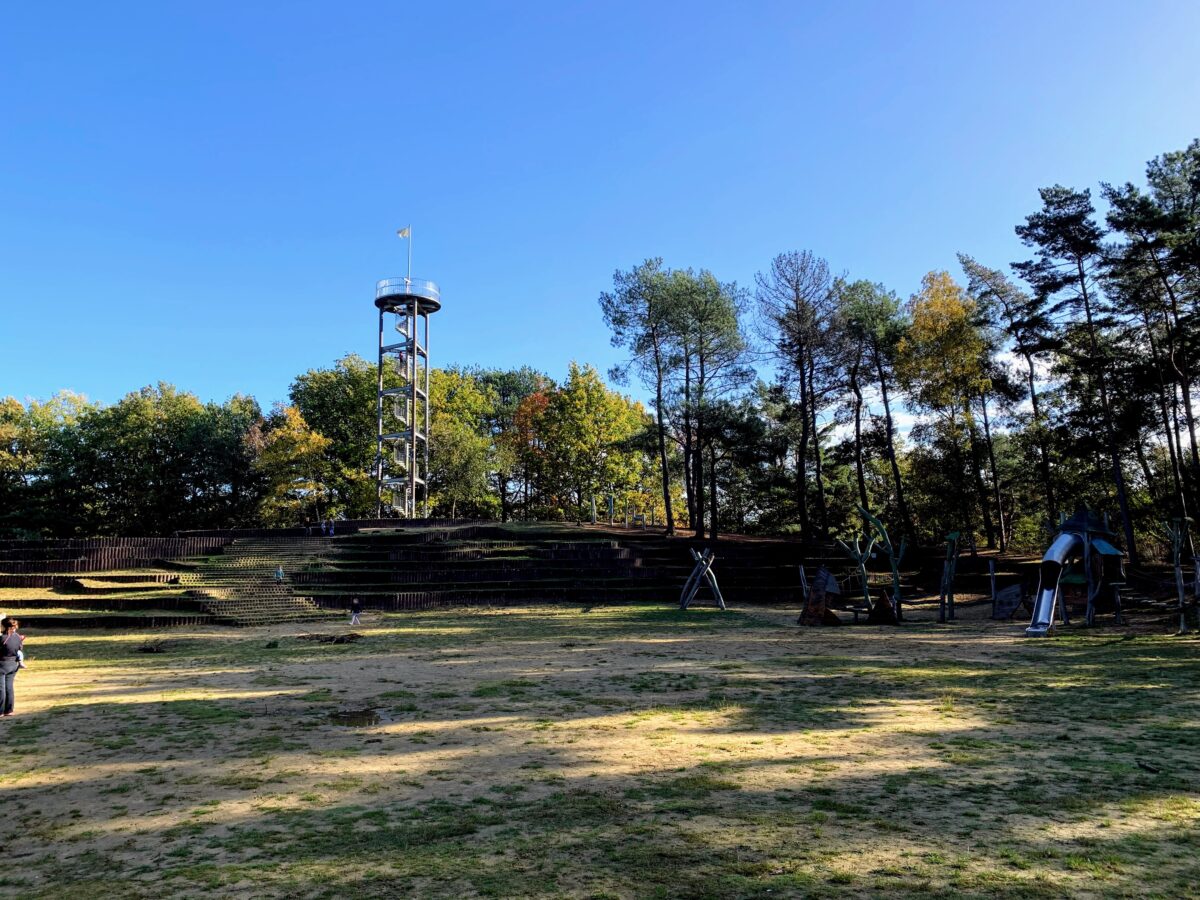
[[701, 573]]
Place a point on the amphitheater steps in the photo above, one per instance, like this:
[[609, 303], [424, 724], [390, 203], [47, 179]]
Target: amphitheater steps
[[507, 565], [238, 586]]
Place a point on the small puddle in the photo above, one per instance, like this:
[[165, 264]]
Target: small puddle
[[356, 718]]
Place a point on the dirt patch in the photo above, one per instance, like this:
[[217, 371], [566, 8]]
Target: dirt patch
[[351, 637]]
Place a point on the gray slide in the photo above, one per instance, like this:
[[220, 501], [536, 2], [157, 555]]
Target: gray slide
[[1053, 564]]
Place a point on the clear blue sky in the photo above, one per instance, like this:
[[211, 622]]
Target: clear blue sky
[[205, 193]]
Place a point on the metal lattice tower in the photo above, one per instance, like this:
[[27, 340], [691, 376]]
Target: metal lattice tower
[[402, 411]]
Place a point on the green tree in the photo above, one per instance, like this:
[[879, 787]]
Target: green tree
[[460, 445], [874, 326], [1153, 274], [1024, 318], [293, 461], [796, 305], [1064, 273], [591, 433], [28, 436], [707, 339], [526, 441], [508, 389], [638, 312], [339, 403], [941, 361]]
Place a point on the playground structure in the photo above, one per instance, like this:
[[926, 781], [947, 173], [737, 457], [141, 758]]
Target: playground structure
[[824, 586], [702, 572], [887, 610], [949, 568], [894, 556], [402, 411], [815, 593], [1081, 558]]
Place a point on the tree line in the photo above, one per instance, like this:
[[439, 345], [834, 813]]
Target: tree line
[[1065, 379], [987, 402], [504, 444]]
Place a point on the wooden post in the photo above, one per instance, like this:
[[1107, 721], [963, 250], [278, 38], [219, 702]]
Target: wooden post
[[949, 565], [992, 578]]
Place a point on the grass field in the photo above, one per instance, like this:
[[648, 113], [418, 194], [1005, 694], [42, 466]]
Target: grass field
[[611, 752]]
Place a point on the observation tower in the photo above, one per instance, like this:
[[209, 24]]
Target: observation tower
[[402, 405]]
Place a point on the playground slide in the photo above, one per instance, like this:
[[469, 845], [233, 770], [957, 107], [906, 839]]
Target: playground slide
[[1053, 564]]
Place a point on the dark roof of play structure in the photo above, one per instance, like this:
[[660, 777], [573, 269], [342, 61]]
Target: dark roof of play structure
[[1085, 521]]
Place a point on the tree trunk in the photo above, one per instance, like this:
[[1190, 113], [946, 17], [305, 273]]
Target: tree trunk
[[688, 482], [967, 521], [1043, 453], [985, 506], [712, 490], [991, 452], [1184, 376], [689, 489], [502, 490], [1110, 433], [905, 516], [662, 440], [1174, 451], [1189, 486], [1140, 451], [698, 466], [858, 456], [816, 433], [802, 456]]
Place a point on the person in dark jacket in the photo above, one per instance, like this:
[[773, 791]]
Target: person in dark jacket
[[12, 647], [355, 610]]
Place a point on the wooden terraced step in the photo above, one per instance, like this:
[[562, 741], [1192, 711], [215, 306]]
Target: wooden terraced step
[[238, 586]]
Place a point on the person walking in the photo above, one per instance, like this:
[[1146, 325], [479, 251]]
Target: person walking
[[11, 659], [355, 610]]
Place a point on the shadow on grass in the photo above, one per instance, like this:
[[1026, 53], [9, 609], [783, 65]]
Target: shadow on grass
[[1053, 738]]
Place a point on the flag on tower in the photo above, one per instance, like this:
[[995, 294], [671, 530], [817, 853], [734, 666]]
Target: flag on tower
[[404, 232]]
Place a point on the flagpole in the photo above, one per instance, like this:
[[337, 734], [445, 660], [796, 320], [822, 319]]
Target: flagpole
[[408, 280]]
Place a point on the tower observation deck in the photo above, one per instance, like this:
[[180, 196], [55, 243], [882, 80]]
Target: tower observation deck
[[402, 403]]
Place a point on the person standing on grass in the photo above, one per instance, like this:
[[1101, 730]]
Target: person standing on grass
[[11, 659], [355, 610]]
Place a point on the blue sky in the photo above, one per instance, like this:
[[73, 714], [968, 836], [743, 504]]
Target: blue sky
[[205, 193]]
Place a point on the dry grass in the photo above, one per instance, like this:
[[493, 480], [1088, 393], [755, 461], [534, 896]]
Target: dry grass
[[619, 752]]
